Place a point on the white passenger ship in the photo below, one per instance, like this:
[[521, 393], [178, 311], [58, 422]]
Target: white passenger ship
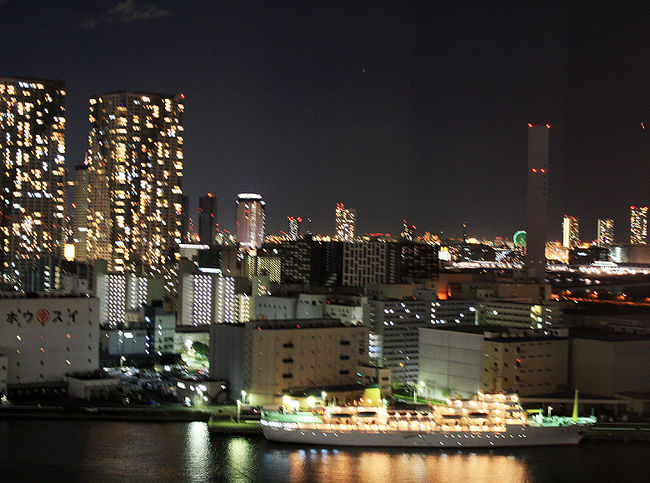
[[489, 420]]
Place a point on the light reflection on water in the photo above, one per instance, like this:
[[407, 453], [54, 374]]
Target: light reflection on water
[[198, 449], [394, 465], [37, 450]]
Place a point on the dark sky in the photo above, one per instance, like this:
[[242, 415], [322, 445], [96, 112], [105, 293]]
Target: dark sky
[[397, 109]]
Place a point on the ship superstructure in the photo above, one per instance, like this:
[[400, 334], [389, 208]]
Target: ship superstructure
[[489, 420]]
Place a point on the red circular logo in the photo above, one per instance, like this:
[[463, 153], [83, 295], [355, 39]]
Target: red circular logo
[[42, 316]]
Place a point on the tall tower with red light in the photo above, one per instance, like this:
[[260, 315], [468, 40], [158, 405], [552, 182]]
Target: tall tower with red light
[[536, 200]]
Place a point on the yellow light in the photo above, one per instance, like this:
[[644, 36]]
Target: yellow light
[[69, 252]]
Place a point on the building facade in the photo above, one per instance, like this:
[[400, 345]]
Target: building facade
[[32, 174], [345, 223], [208, 219], [80, 212], [638, 225], [364, 263], [450, 361], [609, 363], [279, 356], [605, 232], [536, 200], [250, 220], [463, 360], [520, 314], [44, 338], [525, 362], [394, 328], [570, 232], [135, 167], [294, 223]]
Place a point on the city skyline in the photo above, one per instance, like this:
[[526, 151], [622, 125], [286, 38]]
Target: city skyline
[[346, 225], [370, 120]]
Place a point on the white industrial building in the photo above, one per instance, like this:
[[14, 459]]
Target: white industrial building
[[346, 308], [520, 313], [44, 338], [464, 359], [450, 361]]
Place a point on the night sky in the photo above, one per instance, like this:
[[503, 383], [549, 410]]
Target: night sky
[[398, 109]]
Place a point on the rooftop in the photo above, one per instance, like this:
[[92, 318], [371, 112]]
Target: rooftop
[[297, 324], [611, 336]]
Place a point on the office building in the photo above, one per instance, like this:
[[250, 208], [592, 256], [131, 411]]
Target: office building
[[271, 357], [605, 232], [411, 262], [295, 260], [364, 263], [536, 200], [294, 224], [638, 225], [570, 232], [250, 220], [80, 212], [123, 294], [208, 219], [135, 166], [32, 174], [393, 339], [206, 295], [345, 223], [151, 336]]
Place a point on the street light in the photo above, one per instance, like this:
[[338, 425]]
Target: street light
[[238, 410], [426, 389]]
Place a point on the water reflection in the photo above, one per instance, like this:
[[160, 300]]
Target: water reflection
[[240, 455], [197, 450], [393, 465], [41, 450]]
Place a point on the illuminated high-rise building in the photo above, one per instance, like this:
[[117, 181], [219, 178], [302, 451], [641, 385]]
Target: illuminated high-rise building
[[250, 220], [185, 219], [605, 232], [407, 231], [32, 174], [80, 212], [293, 230], [638, 225], [345, 222], [570, 232], [536, 201], [135, 167], [208, 219]]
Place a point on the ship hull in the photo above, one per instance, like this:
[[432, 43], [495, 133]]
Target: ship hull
[[513, 436]]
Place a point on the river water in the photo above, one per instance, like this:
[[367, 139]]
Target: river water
[[61, 450]]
